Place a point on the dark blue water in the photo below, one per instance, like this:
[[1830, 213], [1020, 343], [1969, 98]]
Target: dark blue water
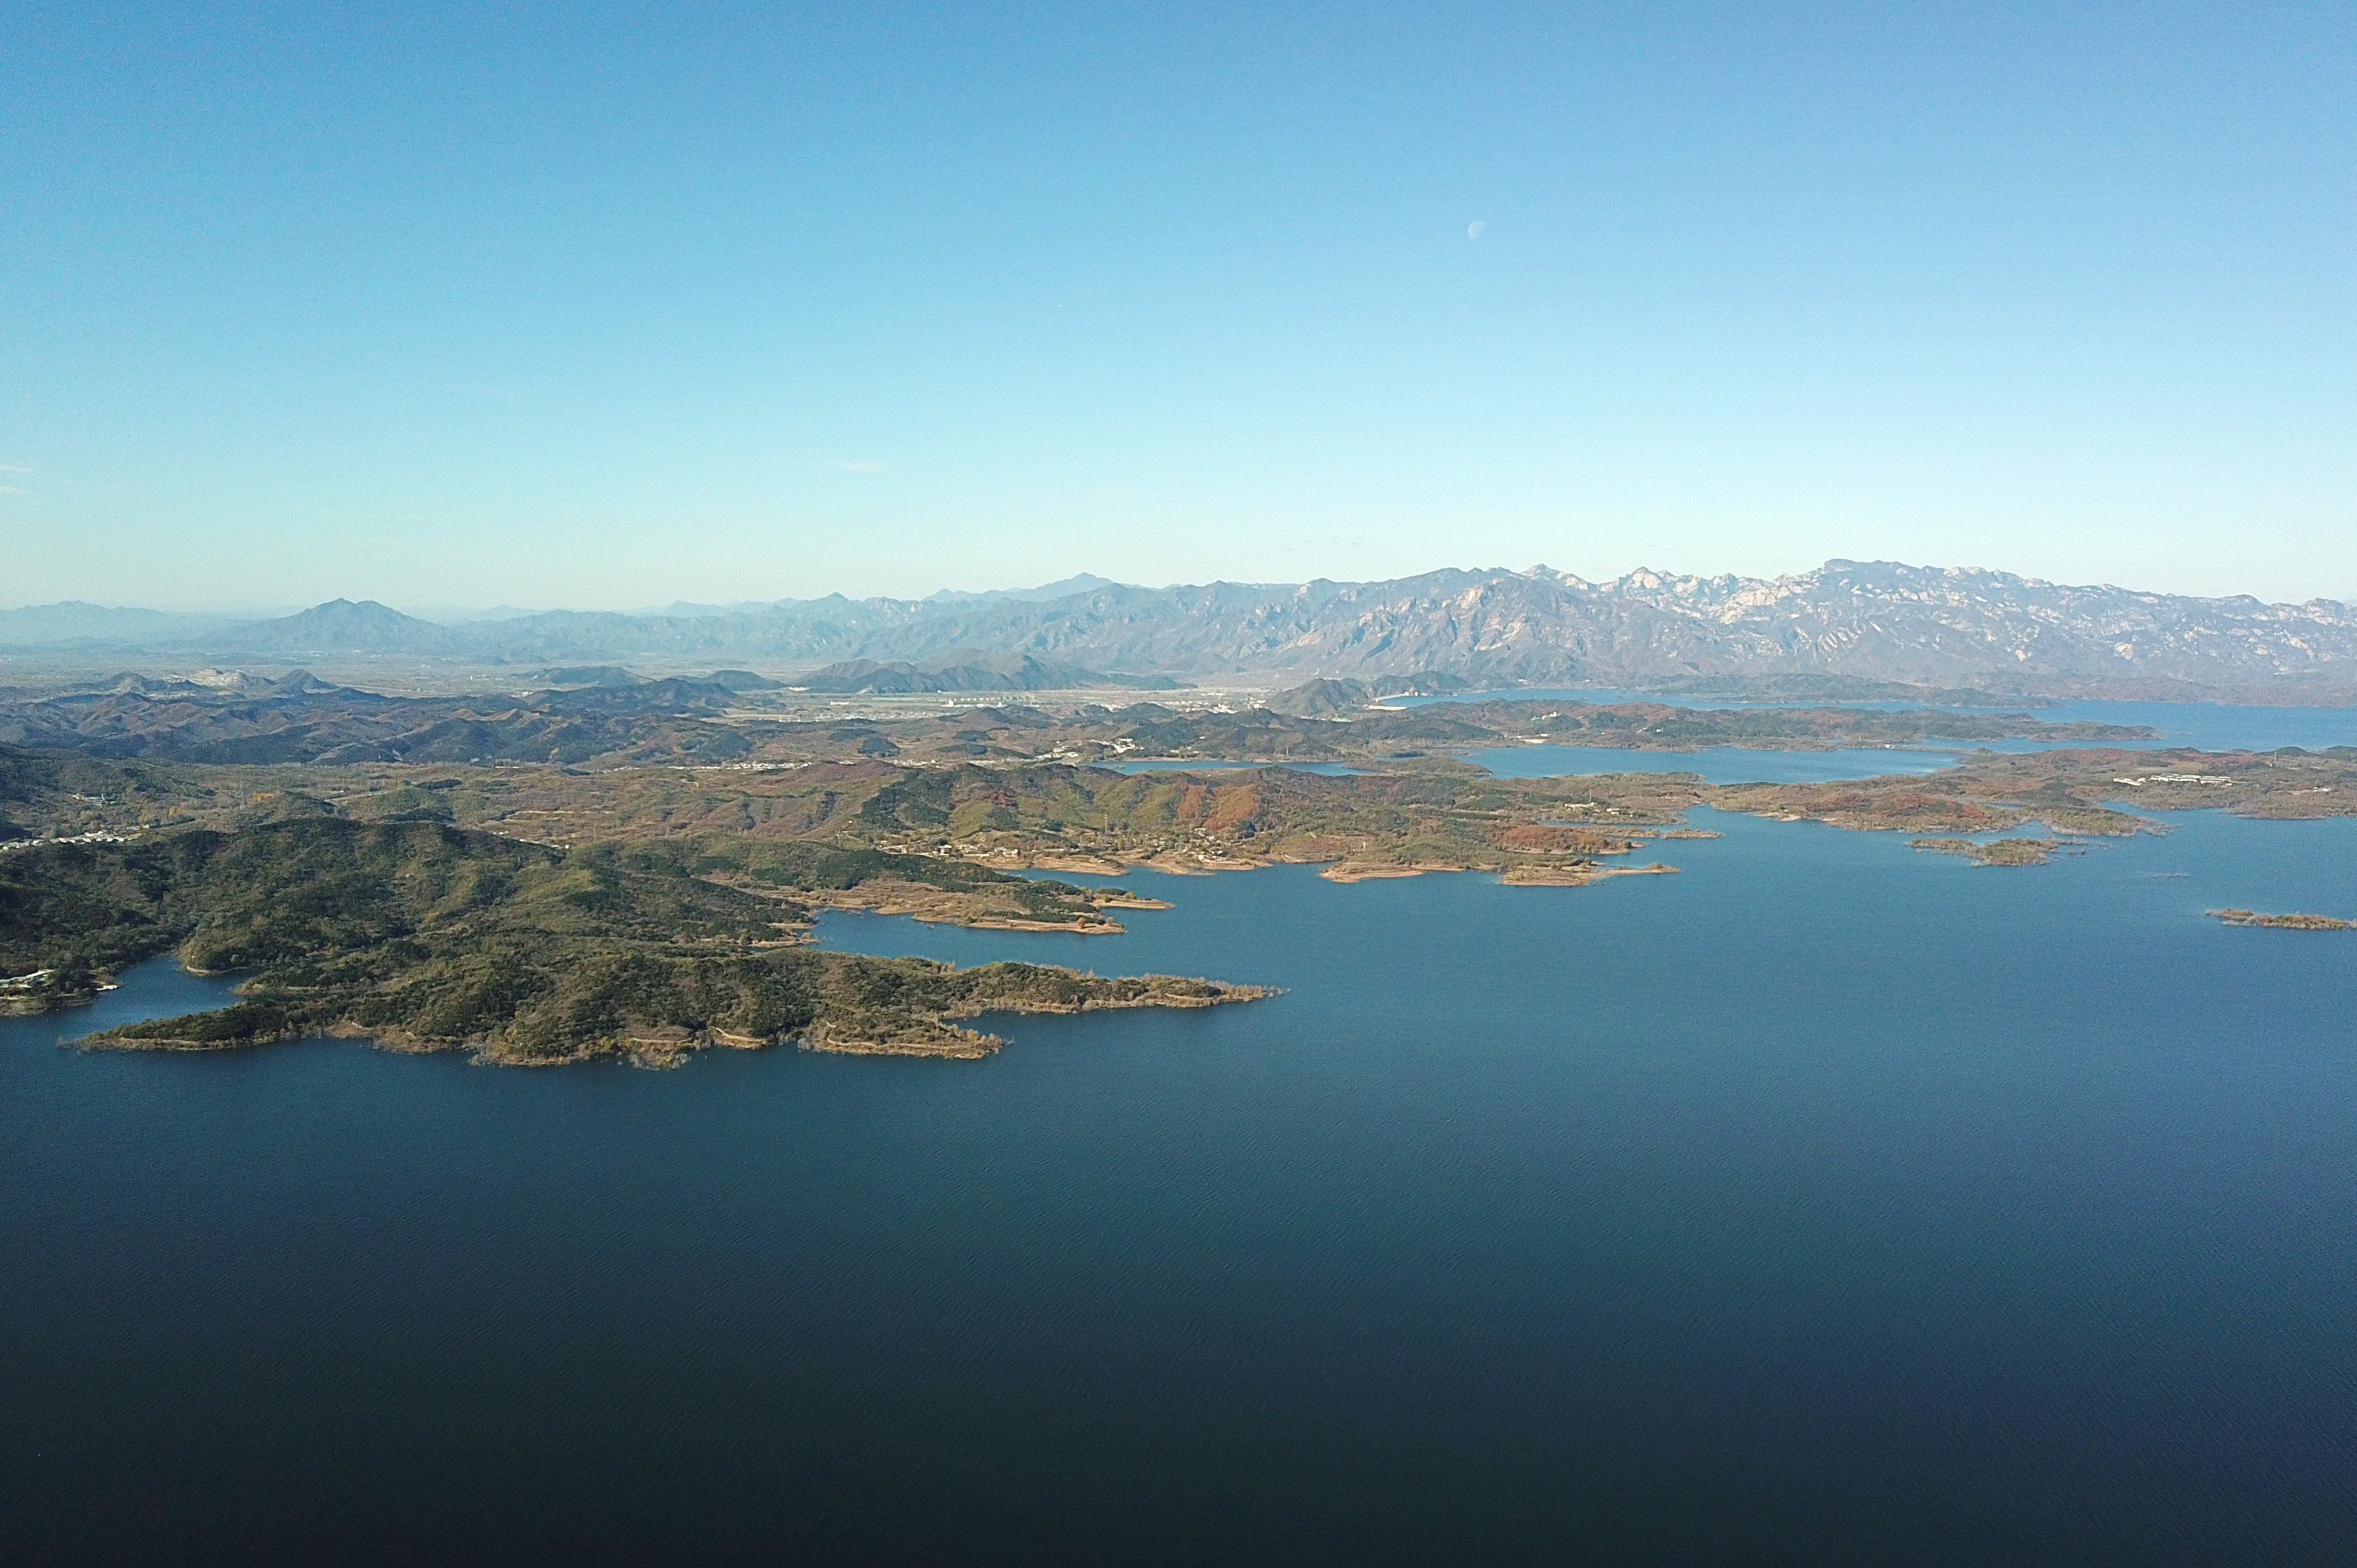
[[1824, 1203]]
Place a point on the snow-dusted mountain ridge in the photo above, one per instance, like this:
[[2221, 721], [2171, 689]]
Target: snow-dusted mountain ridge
[[1866, 620]]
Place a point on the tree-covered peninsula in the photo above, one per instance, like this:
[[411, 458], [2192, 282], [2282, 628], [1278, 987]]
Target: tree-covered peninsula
[[427, 937]]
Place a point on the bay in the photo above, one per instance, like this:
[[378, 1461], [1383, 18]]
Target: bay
[[2206, 725], [2209, 727], [1825, 1202], [1716, 764]]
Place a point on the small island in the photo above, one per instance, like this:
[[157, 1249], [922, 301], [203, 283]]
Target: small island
[[2283, 922], [1994, 852]]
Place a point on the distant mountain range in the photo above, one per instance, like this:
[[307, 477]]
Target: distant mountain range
[[70, 622], [340, 626], [1845, 623]]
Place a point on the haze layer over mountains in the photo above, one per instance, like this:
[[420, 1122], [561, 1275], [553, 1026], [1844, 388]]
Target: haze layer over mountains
[[1880, 621]]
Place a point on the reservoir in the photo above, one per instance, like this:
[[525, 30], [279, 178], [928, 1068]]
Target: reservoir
[[2209, 727], [1828, 1203]]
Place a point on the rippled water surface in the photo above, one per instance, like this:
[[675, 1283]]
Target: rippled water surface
[[1824, 1203]]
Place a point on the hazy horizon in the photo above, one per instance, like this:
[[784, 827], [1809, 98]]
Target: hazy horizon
[[449, 614]]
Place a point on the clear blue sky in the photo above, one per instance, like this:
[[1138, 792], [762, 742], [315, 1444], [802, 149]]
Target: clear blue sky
[[607, 308]]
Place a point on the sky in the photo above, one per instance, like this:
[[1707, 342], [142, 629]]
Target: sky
[[610, 306]]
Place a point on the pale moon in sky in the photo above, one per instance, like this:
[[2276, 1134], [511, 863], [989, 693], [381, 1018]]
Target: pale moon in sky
[[1473, 230]]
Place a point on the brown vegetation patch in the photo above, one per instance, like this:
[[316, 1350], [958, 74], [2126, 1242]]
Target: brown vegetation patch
[[1578, 875], [1556, 838], [1997, 851]]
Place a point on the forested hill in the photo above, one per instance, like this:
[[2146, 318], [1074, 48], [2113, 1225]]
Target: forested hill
[[428, 938]]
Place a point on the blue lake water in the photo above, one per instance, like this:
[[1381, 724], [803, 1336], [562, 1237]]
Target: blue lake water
[[2208, 726], [2212, 726], [2218, 726], [1826, 1203], [1717, 764]]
